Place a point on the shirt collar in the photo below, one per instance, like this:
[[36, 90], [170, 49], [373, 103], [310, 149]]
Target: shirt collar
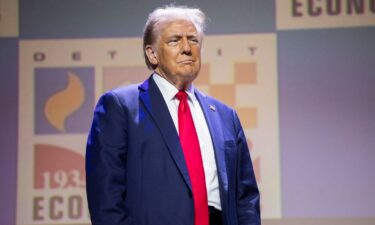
[[169, 91]]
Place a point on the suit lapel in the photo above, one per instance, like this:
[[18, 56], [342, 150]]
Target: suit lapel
[[214, 125], [153, 100]]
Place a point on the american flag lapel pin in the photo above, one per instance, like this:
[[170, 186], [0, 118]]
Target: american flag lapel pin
[[213, 108]]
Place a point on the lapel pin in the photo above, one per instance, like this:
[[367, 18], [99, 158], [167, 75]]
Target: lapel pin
[[212, 108]]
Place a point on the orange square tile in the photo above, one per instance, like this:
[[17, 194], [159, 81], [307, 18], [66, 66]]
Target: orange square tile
[[256, 167], [250, 144], [245, 73], [248, 117], [204, 75], [224, 92]]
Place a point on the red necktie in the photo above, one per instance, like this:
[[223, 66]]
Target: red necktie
[[190, 146]]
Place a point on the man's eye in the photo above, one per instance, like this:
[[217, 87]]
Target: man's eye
[[194, 40], [173, 41]]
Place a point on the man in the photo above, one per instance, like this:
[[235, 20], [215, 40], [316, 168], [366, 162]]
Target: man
[[163, 153]]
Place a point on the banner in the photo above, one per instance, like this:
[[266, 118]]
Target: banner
[[61, 80], [310, 14]]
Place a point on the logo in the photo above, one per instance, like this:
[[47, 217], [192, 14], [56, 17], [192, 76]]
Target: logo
[[58, 168], [64, 99], [59, 179]]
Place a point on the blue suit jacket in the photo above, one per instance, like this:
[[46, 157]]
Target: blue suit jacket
[[135, 168]]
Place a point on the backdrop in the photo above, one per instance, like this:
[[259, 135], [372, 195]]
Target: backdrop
[[300, 73]]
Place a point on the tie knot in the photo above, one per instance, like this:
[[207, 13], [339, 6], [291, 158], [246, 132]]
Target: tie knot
[[181, 96]]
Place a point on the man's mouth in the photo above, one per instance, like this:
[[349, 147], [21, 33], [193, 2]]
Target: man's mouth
[[187, 61]]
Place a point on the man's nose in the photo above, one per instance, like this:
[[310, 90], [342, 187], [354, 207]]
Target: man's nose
[[185, 46]]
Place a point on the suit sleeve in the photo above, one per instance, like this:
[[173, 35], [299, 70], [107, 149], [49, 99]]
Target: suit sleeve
[[248, 198], [106, 154]]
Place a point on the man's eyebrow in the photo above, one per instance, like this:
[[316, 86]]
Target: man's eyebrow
[[175, 36], [193, 34]]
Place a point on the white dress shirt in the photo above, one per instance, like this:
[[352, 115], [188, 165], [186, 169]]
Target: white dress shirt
[[205, 142]]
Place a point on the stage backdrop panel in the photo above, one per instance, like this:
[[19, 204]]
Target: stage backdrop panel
[[60, 81]]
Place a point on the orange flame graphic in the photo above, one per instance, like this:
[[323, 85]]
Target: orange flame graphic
[[60, 105]]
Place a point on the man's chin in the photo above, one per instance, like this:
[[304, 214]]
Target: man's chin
[[189, 71], [189, 75]]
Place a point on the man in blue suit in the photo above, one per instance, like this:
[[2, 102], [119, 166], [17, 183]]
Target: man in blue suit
[[138, 167]]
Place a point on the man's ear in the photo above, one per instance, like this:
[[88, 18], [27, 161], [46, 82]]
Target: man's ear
[[151, 55]]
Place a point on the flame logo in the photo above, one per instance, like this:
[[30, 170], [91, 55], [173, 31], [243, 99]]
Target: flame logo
[[62, 104]]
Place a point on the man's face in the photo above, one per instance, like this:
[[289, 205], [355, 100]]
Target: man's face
[[178, 52]]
